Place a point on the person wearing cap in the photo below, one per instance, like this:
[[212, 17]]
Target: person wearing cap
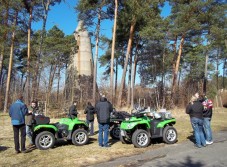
[[17, 112], [195, 111]]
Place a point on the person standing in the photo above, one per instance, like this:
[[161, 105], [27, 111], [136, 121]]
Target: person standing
[[207, 115], [89, 111], [17, 112], [32, 111], [73, 110], [195, 111], [103, 109]]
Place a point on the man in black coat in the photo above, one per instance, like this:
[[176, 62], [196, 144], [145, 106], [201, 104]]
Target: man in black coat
[[73, 110], [103, 109]]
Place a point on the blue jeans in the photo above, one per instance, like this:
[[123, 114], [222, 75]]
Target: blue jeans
[[29, 133], [207, 129], [91, 126], [197, 125], [103, 130]]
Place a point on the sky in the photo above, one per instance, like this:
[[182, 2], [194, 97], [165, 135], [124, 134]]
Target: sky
[[64, 17]]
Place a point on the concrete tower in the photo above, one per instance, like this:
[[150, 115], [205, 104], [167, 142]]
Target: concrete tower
[[82, 60], [79, 72]]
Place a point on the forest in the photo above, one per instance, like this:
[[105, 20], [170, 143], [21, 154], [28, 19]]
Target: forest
[[173, 56]]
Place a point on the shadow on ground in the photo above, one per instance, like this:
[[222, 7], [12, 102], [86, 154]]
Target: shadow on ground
[[3, 148], [187, 162]]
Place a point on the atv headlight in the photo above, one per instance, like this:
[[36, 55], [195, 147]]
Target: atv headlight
[[127, 119]]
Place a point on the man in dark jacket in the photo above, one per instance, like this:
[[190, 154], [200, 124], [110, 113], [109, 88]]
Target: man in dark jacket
[[89, 111], [73, 110], [195, 110], [103, 109], [17, 112]]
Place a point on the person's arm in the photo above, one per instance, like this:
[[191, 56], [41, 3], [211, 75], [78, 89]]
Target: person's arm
[[188, 109], [24, 109], [85, 111], [10, 113]]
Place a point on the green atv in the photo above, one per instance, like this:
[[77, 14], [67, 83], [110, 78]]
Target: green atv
[[45, 133], [145, 125]]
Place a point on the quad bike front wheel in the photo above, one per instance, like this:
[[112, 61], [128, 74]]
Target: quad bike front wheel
[[140, 138], [45, 140], [115, 132], [80, 137], [169, 135]]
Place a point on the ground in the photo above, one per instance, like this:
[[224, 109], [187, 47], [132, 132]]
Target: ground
[[66, 154]]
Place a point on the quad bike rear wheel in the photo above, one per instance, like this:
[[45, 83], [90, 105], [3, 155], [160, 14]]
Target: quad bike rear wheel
[[169, 135], [115, 132]]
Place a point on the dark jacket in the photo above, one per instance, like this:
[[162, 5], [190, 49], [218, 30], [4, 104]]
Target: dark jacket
[[30, 116], [90, 111], [73, 111], [17, 112], [103, 109], [207, 113], [195, 109]]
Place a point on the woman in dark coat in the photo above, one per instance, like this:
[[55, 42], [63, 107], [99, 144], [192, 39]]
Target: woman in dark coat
[[90, 111], [195, 111]]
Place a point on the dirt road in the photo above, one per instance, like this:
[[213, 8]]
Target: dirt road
[[178, 155]]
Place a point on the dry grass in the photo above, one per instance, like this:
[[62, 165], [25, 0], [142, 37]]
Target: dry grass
[[64, 154]]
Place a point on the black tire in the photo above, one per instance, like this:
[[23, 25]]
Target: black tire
[[125, 140], [80, 137], [169, 135], [140, 138], [45, 140], [115, 132]]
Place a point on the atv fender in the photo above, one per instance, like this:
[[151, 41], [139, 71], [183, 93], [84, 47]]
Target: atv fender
[[48, 126], [166, 122]]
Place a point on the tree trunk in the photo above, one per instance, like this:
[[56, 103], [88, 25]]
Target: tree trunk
[[35, 83], [3, 44], [217, 65], [96, 55], [112, 51], [134, 77], [129, 82], [51, 79], [223, 78], [174, 57], [10, 64], [59, 71], [205, 74], [116, 75], [163, 94], [177, 66], [28, 58], [132, 27]]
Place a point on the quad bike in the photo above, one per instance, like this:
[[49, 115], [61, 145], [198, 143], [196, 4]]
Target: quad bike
[[45, 133], [145, 125], [115, 121]]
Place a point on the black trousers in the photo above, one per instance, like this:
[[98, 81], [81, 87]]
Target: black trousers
[[22, 130]]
